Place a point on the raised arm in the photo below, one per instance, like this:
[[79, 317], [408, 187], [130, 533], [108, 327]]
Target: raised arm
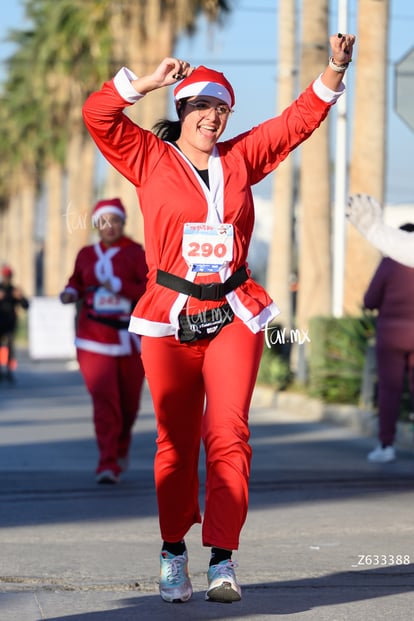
[[342, 47], [365, 213], [168, 72]]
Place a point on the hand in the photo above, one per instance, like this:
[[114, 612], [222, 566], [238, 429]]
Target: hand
[[363, 211], [107, 285], [342, 46], [113, 284], [67, 298], [17, 293], [169, 71]]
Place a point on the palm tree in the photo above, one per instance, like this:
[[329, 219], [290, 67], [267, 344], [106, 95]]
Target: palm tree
[[367, 168], [75, 49], [36, 126], [70, 50], [69, 63], [280, 264], [20, 143], [314, 295], [54, 228]]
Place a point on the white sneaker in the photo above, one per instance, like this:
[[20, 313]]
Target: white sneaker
[[175, 585], [382, 455], [107, 477], [222, 583]]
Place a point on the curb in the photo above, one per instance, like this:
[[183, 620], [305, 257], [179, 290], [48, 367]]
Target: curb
[[363, 421]]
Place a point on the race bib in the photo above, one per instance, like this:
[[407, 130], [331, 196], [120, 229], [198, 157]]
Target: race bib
[[207, 247], [106, 302]]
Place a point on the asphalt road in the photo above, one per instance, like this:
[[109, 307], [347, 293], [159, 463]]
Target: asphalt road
[[328, 536]]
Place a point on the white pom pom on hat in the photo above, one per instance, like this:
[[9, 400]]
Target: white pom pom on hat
[[205, 81], [109, 205]]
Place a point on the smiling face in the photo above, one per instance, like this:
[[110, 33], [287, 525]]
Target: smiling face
[[203, 120]]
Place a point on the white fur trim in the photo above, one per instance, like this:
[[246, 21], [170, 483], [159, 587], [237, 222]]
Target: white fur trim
[[325, 93], [210, 89], [107, 209], [145, 327], [122, 83], [123, 348], [103, 267]]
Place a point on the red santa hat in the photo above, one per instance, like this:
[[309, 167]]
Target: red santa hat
[[108, 205], [205, 81]]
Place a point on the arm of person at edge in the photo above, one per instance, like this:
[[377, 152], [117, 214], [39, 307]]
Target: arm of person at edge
[[165, 73], [366, 214]]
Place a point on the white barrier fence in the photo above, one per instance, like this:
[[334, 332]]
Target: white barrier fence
[[51, 327]]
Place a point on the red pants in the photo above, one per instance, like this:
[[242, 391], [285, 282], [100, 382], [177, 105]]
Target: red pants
[[114, 383], [203, 391], [7, 357]]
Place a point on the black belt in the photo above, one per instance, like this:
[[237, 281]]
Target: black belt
[[118, 324], [212, 291]]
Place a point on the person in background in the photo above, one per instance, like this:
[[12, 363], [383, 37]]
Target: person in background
[[391, 293], [202, 318], [11, 297], [366, 214], [109, 277]]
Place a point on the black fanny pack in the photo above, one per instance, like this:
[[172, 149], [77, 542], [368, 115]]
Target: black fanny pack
[[205, 324]]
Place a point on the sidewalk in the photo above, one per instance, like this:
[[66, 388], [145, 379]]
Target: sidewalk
[[362, 421], [329, 537]]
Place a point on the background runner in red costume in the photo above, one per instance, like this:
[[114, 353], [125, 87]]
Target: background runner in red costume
[[108, 279]]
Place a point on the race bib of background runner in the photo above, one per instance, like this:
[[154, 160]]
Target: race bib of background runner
[[106, 302]]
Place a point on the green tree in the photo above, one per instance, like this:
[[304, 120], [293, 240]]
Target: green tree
[[70, 49]]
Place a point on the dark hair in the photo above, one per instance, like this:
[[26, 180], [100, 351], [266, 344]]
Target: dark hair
[[407, 227], [170, 130], [167, 130]]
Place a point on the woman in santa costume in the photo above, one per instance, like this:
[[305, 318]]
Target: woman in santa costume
[[108, 279], [202, 318]]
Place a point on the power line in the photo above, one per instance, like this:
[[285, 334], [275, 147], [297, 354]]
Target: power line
[[256, 9]]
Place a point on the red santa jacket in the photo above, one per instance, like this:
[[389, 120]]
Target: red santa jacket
[[171, 194], [102, 325], [391, 293]]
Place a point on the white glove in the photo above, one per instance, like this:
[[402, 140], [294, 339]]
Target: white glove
[[364, 212]]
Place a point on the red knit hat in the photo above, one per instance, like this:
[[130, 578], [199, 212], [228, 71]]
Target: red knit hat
[[108, 205], [205, 81], [6, 271]]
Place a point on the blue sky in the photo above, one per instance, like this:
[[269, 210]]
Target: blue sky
[[245, 49]]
